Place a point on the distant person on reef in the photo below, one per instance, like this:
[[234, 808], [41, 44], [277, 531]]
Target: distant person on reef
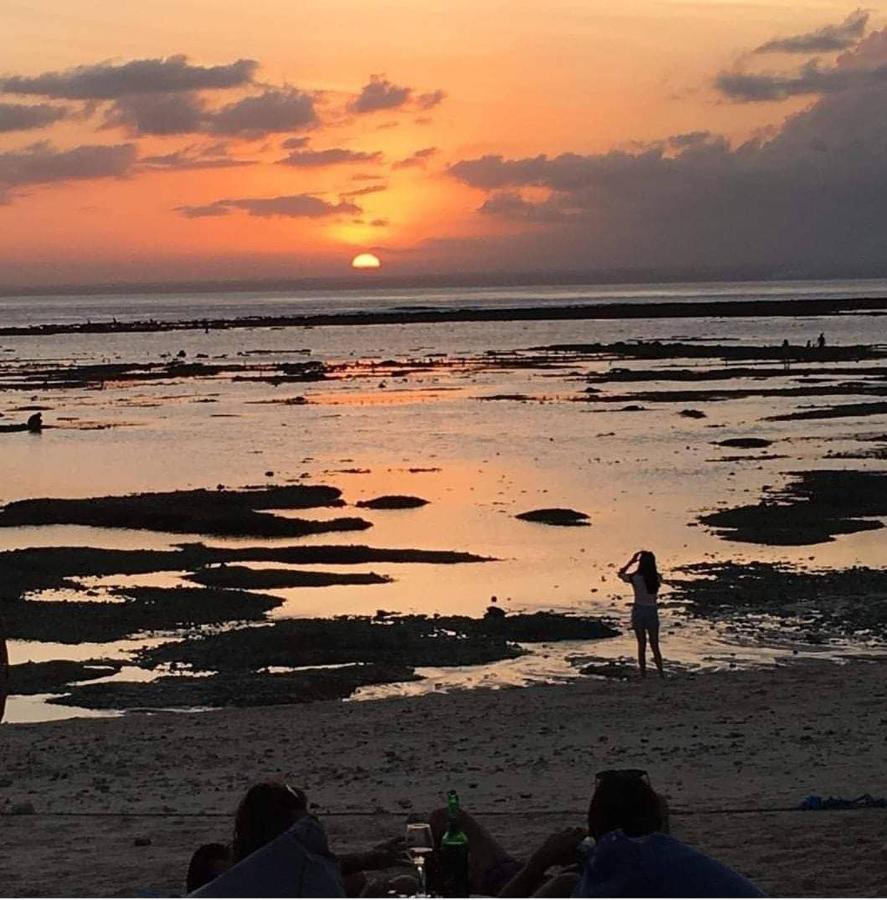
[[4, 672], [786, 355], [820, 341], [641, 573]]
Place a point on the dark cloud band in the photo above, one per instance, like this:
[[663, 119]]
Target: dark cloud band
[[823, 40], [18, 117], [44, 164], [108, 81], [295, 206]]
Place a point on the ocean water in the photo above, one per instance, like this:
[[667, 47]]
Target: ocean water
[[170, 307], [642, 477]]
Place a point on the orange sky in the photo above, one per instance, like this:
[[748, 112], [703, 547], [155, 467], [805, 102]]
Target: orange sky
[[521, 78]]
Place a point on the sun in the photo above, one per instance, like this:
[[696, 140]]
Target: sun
[[366, 261]]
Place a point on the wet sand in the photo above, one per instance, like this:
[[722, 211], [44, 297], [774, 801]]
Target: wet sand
[[732, 751]]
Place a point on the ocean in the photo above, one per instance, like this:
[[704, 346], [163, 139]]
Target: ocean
[[461, 414]]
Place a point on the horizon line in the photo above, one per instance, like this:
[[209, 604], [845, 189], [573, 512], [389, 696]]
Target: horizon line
[[374, 280]]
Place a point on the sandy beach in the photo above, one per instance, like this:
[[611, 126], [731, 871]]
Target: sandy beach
[[730, 750]]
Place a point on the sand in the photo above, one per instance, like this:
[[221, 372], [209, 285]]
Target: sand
[[726, 748]]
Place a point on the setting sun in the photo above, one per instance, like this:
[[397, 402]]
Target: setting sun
[[366, 261]]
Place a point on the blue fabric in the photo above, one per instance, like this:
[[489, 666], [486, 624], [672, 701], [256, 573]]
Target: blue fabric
[[297, 863], [657, 865], [866, 801]]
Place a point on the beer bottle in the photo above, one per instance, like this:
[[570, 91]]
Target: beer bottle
[[454, 853]]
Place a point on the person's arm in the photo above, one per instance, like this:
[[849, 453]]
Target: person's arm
[[623, 572], [558, 849], [382, 856]]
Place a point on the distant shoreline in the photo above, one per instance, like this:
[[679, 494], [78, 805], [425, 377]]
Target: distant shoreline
[[426, 315]]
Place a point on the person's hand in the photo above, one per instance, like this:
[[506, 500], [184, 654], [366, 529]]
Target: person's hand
[[559, 849], [390, 853]]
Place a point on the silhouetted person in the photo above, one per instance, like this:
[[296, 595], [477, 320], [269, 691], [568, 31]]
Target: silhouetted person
[[4, 671], [35, 422], [786, 355], [820, 341], [280, 850], [267, 810], [645, 582], [207, 863], [631, 856]]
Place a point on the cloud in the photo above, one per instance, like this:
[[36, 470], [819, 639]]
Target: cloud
[[809, 198], [274, 110], [380, 93], [186, 112], [379, 223], [109, 81], [17, 117], [294, 143], [332, 157], [863, 67], [431, 99], [294, 206], [512, 205], [158, 114], [812, 78], [213, 157], [369, 189], [43, 164], [419, 158], [823, 40]]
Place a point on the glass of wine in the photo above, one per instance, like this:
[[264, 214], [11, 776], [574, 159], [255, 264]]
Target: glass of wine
[[420, 843]]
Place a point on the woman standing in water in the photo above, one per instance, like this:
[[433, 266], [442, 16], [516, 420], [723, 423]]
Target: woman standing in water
[[645, 582]]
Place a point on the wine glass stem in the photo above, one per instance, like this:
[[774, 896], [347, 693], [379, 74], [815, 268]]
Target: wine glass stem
[[420, 870]]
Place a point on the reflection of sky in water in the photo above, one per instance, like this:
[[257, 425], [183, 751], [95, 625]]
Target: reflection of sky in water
[[642, 477]]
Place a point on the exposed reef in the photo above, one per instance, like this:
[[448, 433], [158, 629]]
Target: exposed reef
[[555, 516], [237, 689], [821, 605], [271, 579], [392, 501], [144, 610], [404, 640], [813, 508], [225, 513]]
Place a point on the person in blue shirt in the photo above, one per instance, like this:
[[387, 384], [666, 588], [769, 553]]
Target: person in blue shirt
[[631, 854], [633, 857]]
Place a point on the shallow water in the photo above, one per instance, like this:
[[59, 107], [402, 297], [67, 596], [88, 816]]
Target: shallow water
[[641, 476]]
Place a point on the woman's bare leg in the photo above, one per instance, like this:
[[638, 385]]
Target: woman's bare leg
[[561, 885], [486, 851], [641, 635], [654, 647]]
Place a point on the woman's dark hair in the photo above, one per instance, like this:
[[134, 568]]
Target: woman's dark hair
[[647, 570], [625, 802], [207, 863], [268, 809]]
